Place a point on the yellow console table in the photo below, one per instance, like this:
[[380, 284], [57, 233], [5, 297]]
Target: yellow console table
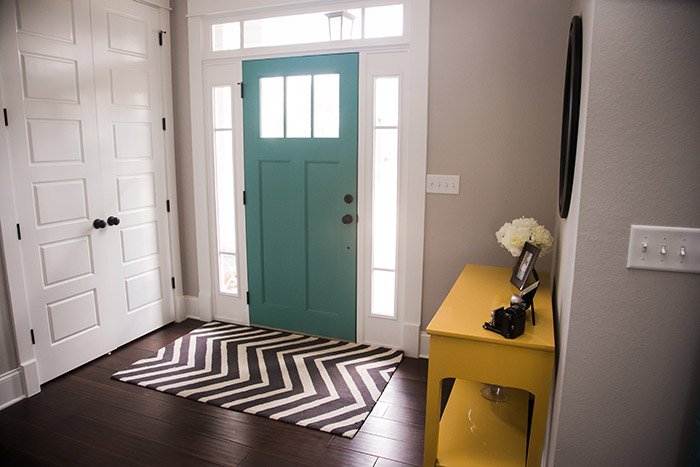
[[474, 431]]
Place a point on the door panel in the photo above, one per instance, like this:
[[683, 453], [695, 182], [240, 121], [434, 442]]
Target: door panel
[[58, 189], [301, 256], [132, 147]]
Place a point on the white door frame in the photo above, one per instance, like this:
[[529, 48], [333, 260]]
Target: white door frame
[[412, 169], [17, 291]]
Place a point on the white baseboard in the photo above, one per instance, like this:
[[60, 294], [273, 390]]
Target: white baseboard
[[424, 345], [11, 388]]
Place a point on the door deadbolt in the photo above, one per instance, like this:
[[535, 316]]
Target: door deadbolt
[[348, 199]]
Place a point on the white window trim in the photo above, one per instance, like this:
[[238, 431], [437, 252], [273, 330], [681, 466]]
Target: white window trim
[[412, 166]]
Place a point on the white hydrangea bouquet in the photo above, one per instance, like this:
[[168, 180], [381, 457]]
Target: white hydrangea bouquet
[[513, 235]]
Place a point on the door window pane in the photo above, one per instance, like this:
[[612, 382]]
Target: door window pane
[[383, 292], [384, 21], [326, 106], [299, 106], [272, 107], [226, 36], [225, 195], [222, 107], [228, 274], [384, 199], [386, 112]]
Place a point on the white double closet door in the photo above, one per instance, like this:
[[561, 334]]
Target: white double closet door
[[89, 145]]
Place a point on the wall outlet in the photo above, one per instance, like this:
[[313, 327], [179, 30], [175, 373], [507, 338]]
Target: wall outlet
[[664, 248], [442, 184]]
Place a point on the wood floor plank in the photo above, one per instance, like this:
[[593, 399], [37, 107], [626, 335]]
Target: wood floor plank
[[87, 418], [380, 446], [291, 442]]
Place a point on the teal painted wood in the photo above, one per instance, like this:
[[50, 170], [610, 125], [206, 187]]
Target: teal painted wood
[[301, 257]]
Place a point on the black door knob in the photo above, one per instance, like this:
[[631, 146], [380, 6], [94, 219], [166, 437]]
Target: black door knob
[[99, 224], [111, 220], [347, 219]]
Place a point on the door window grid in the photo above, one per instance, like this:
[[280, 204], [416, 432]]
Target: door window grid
[[225, 190], [291, 106], [385, 195], [366, 23]]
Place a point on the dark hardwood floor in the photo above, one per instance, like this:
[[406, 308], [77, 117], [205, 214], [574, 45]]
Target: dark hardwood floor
[[86, 418]]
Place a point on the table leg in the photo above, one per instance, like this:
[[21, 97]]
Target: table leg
[[538, 428], [432, 419]]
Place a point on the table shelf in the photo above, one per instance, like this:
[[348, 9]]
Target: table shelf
[[476, 431]]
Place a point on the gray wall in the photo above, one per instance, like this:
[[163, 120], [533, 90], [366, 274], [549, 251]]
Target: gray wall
[[496, 87], [8, 357], [629, 382], [183, 146], [494, 119]]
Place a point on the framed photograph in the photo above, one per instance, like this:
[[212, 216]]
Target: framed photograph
[[523, 268]]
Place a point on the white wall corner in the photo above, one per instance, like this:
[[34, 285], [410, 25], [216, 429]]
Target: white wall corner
[[424, 351], [191, 306], [411, 340], [181, 313], [11, 388]]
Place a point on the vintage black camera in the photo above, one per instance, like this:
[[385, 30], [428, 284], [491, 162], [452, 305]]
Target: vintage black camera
[[508, 322]]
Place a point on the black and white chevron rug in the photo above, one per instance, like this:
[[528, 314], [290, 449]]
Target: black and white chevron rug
[[319, 383]]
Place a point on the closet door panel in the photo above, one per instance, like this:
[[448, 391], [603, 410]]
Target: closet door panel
[[58, 186], [132, 148]]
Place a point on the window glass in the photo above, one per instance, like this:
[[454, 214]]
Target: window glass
[[384, 21], [299, 106], [272, 107], [226, 36], [222, 107], [385, 157], [326, 106], [383, 293]]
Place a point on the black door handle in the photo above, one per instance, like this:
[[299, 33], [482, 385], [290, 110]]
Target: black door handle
[[111, 220], [99, 224], [347, 219]]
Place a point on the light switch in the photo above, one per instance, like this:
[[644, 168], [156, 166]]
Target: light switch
[[664, 248], [442, 184]]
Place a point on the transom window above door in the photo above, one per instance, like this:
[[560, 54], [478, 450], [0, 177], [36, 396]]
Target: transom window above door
[[303, 106], [365, 22]]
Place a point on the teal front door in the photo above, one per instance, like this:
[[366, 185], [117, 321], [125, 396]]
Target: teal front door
[[300, 144]]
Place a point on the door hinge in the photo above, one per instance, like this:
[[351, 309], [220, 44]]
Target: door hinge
[[19, 232], [243, 197], [4, 114], [242, 85], [160, 37], [163, 123], [172, 280], [31, 333], [247, 298], [167, 205]]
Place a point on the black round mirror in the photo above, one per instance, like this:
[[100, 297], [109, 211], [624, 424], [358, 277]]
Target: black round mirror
[[569, 130]]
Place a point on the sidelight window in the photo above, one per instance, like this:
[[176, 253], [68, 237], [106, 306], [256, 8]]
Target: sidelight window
[[385, 195], [225, 192]]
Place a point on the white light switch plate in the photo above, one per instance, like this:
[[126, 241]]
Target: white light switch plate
[[442, 184], [664, 248]]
